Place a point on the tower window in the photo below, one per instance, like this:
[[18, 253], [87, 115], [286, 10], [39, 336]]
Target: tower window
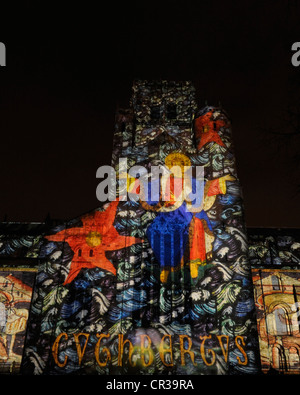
[[281, 321], [171, 111], [79, 252], [91, 253], [155, 112], [275, 283]]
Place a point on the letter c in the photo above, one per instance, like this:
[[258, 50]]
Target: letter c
[[55, 350], [152, 387]]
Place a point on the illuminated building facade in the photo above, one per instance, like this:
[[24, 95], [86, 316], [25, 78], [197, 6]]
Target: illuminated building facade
[[275, 256], [150, 285]]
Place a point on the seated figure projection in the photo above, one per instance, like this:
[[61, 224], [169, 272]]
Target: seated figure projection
[[181, 233]]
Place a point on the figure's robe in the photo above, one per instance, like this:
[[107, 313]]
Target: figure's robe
[[173, 232]]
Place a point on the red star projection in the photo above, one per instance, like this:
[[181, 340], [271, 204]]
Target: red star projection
[[91, 241], [206, 129]]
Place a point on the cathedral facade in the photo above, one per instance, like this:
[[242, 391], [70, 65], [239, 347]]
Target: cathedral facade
[[168, 282]]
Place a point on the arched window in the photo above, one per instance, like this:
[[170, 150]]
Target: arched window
[[155, 112], [279, 358], [281, 321], [91, 253], [171, 111], [275, 283], [294, 361], [79, 252]]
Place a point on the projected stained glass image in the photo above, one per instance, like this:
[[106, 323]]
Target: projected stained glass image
[[15, 298]]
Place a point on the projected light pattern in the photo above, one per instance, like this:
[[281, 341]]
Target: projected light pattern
[[151, 287]]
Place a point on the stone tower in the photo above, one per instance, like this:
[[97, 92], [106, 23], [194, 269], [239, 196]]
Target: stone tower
[[153, 285]]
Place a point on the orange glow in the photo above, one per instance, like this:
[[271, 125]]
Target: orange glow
[[91, 241], [207, 129]]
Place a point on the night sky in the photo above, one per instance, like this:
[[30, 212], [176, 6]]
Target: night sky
[[69, 68]]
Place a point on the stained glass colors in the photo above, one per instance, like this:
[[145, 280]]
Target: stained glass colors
[[152, 285], [15, 298], [91, 241], [207, 127]]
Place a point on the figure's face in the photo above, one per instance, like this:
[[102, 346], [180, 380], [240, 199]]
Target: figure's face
[[178, 167]]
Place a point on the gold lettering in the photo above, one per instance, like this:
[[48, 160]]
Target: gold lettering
[[143, 349], [80, 351], [186, 350], [121, 350], [104, 350], [209, 351], [163, 350], [55, 350], [224, 351], [241, 350]]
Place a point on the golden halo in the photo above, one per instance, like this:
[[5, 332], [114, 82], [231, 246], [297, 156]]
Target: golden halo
[[177, 159]]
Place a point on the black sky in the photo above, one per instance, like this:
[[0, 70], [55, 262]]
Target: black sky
[[69, 67]]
